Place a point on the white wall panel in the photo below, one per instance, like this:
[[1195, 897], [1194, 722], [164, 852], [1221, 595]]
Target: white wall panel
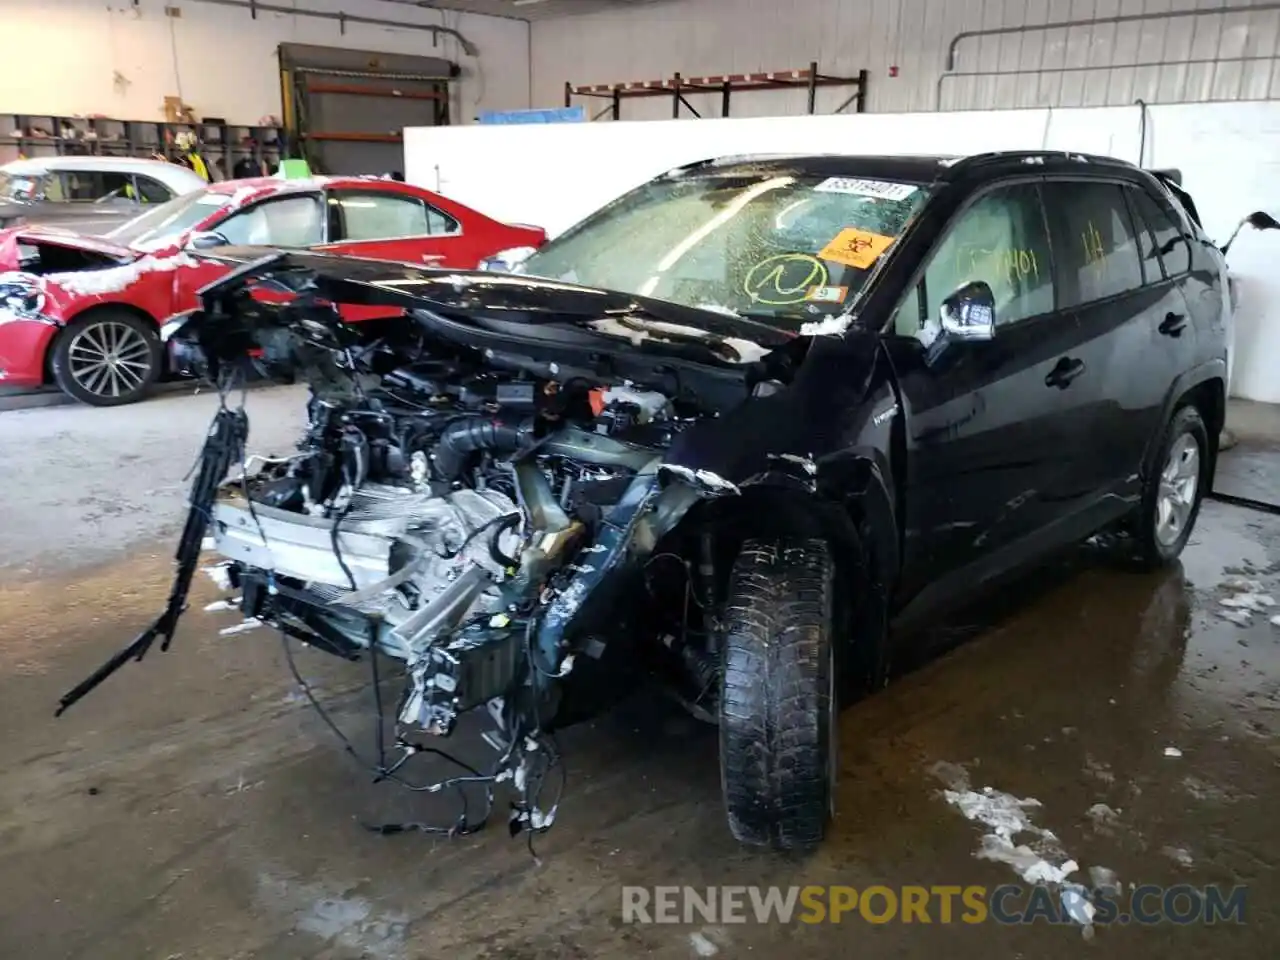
[[69, 57], [568, 170], [1208, 56]]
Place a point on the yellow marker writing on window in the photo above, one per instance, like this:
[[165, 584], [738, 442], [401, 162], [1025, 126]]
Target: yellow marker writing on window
[[855, 248]]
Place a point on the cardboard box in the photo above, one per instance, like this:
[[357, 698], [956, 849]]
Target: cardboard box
[[175, 111]]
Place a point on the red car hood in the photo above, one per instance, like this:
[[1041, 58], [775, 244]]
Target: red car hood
[[11, 238]]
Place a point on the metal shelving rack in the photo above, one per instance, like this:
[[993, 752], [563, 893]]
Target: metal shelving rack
[[725, 84], [42, 135]]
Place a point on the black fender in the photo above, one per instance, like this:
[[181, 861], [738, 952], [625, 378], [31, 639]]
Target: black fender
[[1184, 383], [861, 480], [846, 502]]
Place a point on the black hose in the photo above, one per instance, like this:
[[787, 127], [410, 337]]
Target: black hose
[[459, 441], [508, 522]]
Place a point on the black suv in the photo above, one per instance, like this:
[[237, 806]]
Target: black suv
[[725, 432]]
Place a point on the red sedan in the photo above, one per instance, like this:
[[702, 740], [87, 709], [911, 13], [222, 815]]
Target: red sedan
[[84, 312]]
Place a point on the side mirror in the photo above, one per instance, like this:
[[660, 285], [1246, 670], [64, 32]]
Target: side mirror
[[206, 240], [1259, 220], [969, 313]]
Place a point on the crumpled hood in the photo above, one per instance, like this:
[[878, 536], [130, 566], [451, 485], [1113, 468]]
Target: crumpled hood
[[11, 238], [505, 302]]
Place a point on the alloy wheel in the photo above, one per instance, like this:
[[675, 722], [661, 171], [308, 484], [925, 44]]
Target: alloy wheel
[[1179, 482], [109, 359]]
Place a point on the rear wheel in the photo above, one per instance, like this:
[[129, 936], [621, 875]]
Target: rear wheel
[[778, 705], [107, 359], [1173, 493]]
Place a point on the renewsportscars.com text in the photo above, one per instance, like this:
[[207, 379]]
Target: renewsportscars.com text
[[1143, 904]]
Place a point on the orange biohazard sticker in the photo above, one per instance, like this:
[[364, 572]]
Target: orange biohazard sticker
[[855, 248]]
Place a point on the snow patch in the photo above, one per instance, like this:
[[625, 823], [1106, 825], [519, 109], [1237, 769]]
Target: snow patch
[[661, 331], [1103, 878], [702, 945], [826, 327], [243, 194], [1255, 602], [711, 483], [98, 283], [1040, 860], [1100, 813], [1244, 598], [218, 574], [1006, 816], [1178, 854], [1078, 906], [245, 627]]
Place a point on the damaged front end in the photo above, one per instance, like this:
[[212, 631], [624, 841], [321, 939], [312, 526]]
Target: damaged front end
[[479, 513]]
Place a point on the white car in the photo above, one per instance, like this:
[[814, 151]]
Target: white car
[[88, 195]]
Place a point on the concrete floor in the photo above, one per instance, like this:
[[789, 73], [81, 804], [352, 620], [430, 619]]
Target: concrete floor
[[194, 808]]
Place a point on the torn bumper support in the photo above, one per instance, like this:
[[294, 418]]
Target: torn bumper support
[[223, 447]]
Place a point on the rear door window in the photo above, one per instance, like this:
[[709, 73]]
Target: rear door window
[[1097, 252], [86, 186], [386, 216]]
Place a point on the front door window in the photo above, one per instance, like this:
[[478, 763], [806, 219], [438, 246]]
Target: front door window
[[284, 222], [1003, 241]]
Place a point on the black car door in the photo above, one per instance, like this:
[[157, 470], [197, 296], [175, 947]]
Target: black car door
[[1117, 400], [1190, 297], [986, 422]]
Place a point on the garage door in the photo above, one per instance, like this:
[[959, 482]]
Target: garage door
[[347, 109]]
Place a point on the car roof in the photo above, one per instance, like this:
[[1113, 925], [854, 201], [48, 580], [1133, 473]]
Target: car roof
[[254, 186], [909, 168], [176, 177]]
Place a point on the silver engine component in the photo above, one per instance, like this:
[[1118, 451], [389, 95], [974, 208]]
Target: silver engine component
[[421, 563]]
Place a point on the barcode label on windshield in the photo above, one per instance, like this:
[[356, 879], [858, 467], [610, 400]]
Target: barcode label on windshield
[[880, 189]]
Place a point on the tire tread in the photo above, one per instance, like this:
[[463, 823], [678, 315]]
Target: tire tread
[[774, 708]]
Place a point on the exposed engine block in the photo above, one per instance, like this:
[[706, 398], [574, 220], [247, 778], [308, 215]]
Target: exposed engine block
[[403, 549]]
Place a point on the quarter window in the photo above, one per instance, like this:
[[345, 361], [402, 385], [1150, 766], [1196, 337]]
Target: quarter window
[[385, 216], [1169, 244], [906, 322], [1001, 240], [1096, 250]]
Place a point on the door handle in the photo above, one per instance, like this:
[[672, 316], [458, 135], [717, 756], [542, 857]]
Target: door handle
[[432, 257], [1063, 372], [1173, 324]]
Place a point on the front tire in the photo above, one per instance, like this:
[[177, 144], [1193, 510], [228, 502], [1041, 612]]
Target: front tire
[[778, 704], [107, 359], [1173, 493]]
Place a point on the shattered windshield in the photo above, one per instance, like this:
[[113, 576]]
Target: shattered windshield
[[19, 188], [169, 219], [787, 248]]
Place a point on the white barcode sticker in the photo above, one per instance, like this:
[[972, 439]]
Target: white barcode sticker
[[880, 189]]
